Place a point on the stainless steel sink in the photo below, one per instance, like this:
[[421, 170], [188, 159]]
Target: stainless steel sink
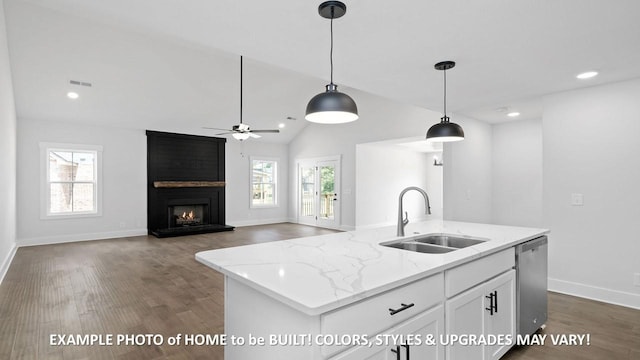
[[449, 241], [420, 247], [434, 244]]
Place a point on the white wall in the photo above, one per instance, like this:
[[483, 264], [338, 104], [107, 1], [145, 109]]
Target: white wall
[[238, 177], [517, 173], [591, 143], [382, 172], [467, 173], [7, 154], [380, 119], [124, 209]]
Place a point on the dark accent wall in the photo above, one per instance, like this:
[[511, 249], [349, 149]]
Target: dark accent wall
[[180, 157]]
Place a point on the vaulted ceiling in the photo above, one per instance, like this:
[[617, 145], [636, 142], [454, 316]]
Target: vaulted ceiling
[[165, 63]]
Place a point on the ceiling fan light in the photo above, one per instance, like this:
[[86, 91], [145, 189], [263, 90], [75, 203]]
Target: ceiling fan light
[[331, 107], [240, 136]]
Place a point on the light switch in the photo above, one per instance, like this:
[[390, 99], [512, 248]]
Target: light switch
[[577, 199]]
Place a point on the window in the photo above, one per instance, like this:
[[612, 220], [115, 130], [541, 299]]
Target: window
[[70, 180], [264, 189]]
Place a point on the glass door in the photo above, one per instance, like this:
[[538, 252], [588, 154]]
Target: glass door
[[319, 192], [307, 193]]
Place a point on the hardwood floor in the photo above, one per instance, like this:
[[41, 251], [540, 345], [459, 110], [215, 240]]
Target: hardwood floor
[[614, 331], [144, 285], [138, 285]]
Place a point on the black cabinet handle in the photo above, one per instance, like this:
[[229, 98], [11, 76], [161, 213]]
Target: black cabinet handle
[[403, 308], [396, 351], [495, 301], [407, 347], [490, 308]]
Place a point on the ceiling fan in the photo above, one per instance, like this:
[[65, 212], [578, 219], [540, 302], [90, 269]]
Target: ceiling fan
[[242, 131]]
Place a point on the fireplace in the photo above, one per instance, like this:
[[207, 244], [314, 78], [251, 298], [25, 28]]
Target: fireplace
[[185, 193], [188, 212]]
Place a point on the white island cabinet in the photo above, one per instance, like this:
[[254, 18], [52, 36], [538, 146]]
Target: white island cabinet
[[367, 326], [485, 311], [344, 296]]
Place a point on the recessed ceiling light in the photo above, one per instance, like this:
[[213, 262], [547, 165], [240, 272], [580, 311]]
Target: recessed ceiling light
[[587, 75], [513, 114], [72, 95], [281, 125]]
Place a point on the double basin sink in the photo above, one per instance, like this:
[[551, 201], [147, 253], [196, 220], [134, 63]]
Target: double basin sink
[[434, 244]]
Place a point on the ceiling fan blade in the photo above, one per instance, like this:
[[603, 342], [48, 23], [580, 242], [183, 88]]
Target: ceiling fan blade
[[266, 131], [212, 128], [255, 136], [227, 133]]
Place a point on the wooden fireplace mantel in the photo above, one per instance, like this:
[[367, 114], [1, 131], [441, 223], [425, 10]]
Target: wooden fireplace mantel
[[187, 184]]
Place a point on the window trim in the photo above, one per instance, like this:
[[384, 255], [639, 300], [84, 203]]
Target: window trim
[[275, 183], [45, 189]]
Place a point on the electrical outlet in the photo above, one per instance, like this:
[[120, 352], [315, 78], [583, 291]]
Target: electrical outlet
[[577, 199], [123, 224], [636, 279]]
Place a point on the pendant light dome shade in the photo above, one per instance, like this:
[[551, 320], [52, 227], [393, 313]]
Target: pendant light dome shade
[[445, 131], [331, 106]]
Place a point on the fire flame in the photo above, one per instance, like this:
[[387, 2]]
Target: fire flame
[[188, 216]]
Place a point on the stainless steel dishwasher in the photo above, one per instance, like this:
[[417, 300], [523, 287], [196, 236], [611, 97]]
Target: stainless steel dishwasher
[[531, 289]]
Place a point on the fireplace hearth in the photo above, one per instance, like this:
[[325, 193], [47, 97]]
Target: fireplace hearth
[[185, 175]]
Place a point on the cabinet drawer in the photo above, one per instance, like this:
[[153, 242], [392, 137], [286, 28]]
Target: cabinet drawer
[[467, 275], [371, 316]]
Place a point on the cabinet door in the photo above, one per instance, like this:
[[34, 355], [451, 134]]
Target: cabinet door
[[465, 315], [502, 322], [430, 322]]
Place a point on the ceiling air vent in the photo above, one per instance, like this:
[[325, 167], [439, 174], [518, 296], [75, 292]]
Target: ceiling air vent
[[81, 83]]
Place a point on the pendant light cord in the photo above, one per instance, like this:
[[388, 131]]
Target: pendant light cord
[[331, 51], [240, 89], [445, 118]]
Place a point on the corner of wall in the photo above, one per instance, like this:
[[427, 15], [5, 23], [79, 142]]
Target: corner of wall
[[6, 262], [8, 151]]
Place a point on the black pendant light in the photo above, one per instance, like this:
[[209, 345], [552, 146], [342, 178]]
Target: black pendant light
[[332, 106], [445, 131]]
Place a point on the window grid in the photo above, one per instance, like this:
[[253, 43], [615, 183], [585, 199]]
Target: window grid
[[264, 183], [71, 182]]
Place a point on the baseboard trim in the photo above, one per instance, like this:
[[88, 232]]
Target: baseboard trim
[[243, 223], [60, 239], [595, 293], [4, 266], [339, 227]]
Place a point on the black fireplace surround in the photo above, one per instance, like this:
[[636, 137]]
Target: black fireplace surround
[[185, 184]]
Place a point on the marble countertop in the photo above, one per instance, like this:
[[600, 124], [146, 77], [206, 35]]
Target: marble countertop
[[321, 273]]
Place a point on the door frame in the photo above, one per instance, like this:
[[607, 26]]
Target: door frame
[[317, 161]]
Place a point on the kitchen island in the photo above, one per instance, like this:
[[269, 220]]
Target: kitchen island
[[332, 296]]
